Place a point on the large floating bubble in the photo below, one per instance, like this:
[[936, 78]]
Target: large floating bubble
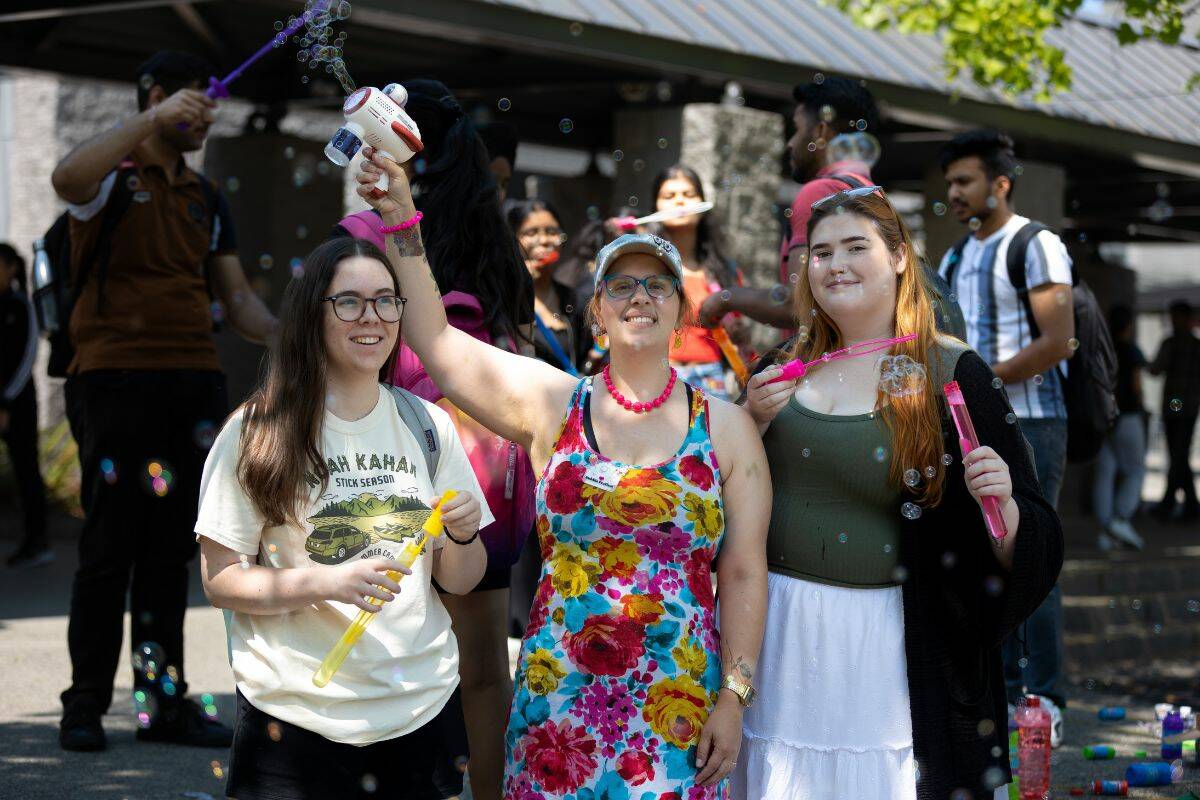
[[856, 146]]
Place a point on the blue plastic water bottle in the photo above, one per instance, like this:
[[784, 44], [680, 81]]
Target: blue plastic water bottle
[[1172, 724], [1149, 773], [1111, 713]]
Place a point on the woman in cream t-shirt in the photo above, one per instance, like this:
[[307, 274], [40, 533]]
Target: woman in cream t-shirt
[[310, 493]]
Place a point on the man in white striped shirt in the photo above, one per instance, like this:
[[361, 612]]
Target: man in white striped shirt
[[981, 169]]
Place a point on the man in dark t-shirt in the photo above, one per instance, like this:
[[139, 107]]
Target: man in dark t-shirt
[[145, 394]]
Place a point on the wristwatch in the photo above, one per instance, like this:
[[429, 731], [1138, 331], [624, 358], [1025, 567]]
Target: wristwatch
[[744, 691]]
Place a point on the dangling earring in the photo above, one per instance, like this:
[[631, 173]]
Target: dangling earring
[[678, 339], [601, 339]]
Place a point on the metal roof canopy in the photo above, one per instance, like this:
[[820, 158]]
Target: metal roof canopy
[[531, 52]]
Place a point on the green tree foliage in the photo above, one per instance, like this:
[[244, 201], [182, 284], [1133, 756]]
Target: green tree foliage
[[1002, 43]]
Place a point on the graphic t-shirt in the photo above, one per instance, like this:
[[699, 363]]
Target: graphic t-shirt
[[405, 667]]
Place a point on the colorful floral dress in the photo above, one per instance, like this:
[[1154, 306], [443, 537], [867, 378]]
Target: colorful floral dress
[[620, 664]]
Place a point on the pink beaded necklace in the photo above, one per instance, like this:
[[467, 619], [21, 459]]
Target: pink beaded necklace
[[638, 408]]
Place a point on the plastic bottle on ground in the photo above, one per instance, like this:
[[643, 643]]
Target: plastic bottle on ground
[[1033, 726]]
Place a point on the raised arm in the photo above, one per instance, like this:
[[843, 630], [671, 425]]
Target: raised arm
[[511, 395]]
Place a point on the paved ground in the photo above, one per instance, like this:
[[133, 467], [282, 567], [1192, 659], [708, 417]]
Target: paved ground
[[33, 606]]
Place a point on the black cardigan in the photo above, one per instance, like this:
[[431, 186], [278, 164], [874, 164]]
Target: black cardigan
[[960, 604]]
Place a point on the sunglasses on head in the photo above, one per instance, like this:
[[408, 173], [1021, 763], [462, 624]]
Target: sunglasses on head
[[843, 195]]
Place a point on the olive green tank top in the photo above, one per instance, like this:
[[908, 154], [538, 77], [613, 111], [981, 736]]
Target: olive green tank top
[[835, 519]]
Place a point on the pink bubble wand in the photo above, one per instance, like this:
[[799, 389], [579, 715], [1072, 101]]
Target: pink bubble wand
[[798, 369], [968, 441], [218, 89]]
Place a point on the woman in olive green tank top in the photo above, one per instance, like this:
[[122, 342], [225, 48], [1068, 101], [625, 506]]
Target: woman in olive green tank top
[[851, 464]]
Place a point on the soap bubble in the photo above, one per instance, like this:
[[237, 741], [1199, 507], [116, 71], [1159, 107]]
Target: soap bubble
[[947, 459], [779, 294], [901, 376], [911, 477], [1022, 662], [566, 125], [1010, 418], [662, 143], [899, 573], [910, 511], [633, 201], [880, 454], [1072, 344], [843, 537], [278, 25], [939, 209], [856, 146], [930, 472], [617, 155], [504, 104], [145, 706], [575, 28], [827, 113], [109, 470], [343, 10], [159, 477], [993, 585], [149, 660], [997, 383], [205, 434], [266, 261], [948, 559], [369, 783], [975, 223], [639, 164], [1175, 404], [1038, 379], [146, 82], [818, 78], [806, 452], [861, 125], [232, 184]]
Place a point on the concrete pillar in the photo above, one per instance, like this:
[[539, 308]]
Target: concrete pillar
[[285, 197], [733, 149]]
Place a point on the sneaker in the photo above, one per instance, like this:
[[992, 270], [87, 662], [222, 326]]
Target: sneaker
[[1056, 720], [1123, 532], [182, 722], [29, 556], [1105, 543], [80, 730]]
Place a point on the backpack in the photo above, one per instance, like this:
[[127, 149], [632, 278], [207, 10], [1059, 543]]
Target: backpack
[[946, 312], [1089, 387], [417, 418], [65, 291]]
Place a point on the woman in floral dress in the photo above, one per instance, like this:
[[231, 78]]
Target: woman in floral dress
[[625, 688]]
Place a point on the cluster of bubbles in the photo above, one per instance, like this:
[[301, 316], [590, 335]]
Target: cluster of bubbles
[[901, 376], [318, 44], [208, 704], [108, 469], [910, 511], [159, 477]]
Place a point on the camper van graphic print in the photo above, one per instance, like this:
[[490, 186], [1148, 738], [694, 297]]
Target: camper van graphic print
[[344, 528]]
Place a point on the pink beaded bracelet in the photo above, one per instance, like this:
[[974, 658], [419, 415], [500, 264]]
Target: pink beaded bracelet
[[403, 226]]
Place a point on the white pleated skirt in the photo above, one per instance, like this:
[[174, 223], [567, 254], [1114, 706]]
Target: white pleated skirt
[[832, 719]]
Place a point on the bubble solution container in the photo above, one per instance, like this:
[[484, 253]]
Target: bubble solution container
[[1172, 724], [1110, 788], [1033, 729], [1111, 713], [1149, 773]]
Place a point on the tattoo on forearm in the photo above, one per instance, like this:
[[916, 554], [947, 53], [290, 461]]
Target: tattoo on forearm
[[742, 670], [408, 242]]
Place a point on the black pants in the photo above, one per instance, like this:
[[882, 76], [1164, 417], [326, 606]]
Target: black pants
[[1179, 429], [143, 438], [276, 760], [21, 438]]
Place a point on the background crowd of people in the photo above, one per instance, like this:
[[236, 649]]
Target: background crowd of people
[[535, 552]]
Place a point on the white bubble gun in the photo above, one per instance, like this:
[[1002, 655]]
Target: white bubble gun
[[376, 118]]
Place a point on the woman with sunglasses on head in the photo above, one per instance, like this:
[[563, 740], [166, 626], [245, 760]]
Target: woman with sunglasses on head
[[310, 494], [624, 686], [705, 271], [488, 294], [888, 595], [561, 336]]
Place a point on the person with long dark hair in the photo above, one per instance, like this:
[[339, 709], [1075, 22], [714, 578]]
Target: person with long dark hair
[[705, 271], [487, 292], [311, 491], [888, 598], [625, 685], [18, 406]]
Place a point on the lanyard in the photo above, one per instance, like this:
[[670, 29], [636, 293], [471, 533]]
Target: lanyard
[[555, 347], [797, 368]]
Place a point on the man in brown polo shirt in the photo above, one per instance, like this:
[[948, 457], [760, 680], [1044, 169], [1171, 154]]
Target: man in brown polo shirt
[[145, 395]]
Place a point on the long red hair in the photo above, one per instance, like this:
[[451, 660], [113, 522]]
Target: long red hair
[[913, 421]]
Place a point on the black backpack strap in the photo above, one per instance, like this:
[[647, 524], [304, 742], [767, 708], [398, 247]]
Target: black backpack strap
[[118, 203], [956, 254], [1018, 247], [850, 181]]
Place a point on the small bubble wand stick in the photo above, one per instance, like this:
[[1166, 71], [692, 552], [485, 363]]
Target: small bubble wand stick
[[731, 354], [432, 528], [218, 89], [629, 223], [797, 368], [968, 441]]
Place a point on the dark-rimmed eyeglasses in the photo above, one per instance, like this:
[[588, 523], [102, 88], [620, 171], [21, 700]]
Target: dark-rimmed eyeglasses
[[843, 195], [351, 307], [623, 287], [553, 234]]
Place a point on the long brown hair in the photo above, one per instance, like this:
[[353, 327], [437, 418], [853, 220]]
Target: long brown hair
[[281, 424], [914, 421]]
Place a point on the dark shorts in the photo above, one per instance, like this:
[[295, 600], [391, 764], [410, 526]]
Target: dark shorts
[[275, 760]]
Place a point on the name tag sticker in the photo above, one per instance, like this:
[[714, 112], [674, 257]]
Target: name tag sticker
[[603, 475]]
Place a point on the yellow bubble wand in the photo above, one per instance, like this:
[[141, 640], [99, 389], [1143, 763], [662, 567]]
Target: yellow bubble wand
[[432, 528]]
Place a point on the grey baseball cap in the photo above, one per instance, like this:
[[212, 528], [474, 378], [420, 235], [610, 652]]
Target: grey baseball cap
[[647, 243]]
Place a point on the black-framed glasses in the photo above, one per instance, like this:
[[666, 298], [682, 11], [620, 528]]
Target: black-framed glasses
[[351, 307], [552, 233], [845, 194], [623, 287]]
